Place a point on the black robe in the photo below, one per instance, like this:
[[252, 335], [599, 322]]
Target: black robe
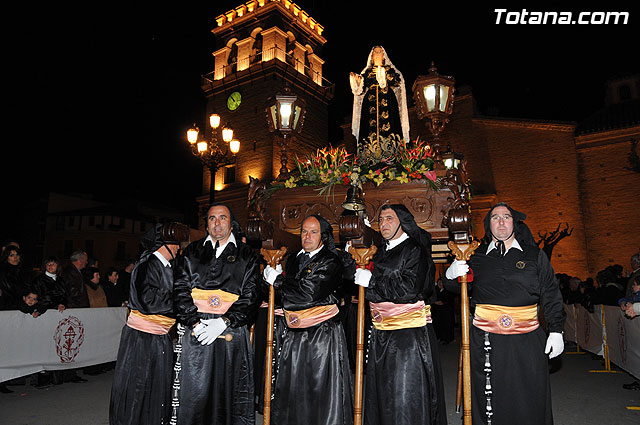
[[403, 384], [141, 388], [519, 377], [313, 383], [216, 381]]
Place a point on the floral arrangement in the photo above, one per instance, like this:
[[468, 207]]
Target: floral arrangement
[[331, 166]]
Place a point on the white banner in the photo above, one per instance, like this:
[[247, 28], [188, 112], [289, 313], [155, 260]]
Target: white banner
[[74, 338], [623, 339], [589, 326], [570, 331]]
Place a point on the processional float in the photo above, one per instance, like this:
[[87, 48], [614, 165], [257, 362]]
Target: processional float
[[439, 204]]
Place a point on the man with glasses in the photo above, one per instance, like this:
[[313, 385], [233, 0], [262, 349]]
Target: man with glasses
[[512, 281]]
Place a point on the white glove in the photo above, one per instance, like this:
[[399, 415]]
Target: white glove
[[367, 222], [198, 329], [457, 269], [270, 274], [555, 345], [213, 328], [362, 277]]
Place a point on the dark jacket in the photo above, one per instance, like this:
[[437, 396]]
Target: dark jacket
[[51, 293], [76, 292]]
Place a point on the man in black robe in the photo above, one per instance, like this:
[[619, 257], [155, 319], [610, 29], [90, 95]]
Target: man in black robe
[[313, 384], [512, 280], [141, 389], [216, 290], [404, 380]]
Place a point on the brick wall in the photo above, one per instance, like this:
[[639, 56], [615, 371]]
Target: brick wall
[[610, 197]]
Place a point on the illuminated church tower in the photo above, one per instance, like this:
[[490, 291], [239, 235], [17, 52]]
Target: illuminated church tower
[[261, 47]]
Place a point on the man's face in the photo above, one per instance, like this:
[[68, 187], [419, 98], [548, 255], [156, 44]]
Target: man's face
[[30, 299], [96, 277], [219, 223], [113, 277], [310, 236], [82, 262], [389, 223], [501, 223]]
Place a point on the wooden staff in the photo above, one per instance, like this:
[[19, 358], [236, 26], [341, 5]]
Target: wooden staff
[[459, 385], [362, 256], [273, 258], [463, 252]]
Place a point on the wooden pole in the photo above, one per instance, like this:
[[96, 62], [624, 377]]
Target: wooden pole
[[362, 256], [273, 258], [463, 252], [459, 384]]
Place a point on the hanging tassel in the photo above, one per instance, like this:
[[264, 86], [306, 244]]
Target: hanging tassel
[[487, 369], [175, 401]]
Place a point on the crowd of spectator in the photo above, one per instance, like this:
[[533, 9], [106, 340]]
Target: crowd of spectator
[[612, 287], [56, 288]]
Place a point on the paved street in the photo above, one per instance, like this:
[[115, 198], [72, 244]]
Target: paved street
[[580, 397]]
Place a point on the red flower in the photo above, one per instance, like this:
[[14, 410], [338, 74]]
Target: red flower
[[369, 266], [431, 175]]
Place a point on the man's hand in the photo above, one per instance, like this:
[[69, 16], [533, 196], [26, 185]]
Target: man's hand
[[270, 274], [457, 269], [555, 345], [212, 329], [362, 277]]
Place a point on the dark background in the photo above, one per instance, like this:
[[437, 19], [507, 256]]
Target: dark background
[[105, 92]]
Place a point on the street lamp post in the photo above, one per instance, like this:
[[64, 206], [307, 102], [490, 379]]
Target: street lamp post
[[433, 95], [285, 114], [212, 154]]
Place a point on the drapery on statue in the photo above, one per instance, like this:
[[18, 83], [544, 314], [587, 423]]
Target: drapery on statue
[[380, 118]]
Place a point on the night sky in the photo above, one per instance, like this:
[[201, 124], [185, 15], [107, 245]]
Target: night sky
[[104, 95]]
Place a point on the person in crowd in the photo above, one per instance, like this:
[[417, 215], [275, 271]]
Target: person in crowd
[[12, 285], [216, 290], [113, 289], [512, 278], [609, 289], [95, 292], [635, 296], [51, 289], [141, 388], [74, 280], [50, 286], [77, 296], [574, 295], [635, 272], [124, 277], [30, 304], [631, 304], [443, 314], [401, 370], [313, 357]]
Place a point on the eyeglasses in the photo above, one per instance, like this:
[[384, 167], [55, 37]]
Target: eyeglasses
[[505, 217]]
